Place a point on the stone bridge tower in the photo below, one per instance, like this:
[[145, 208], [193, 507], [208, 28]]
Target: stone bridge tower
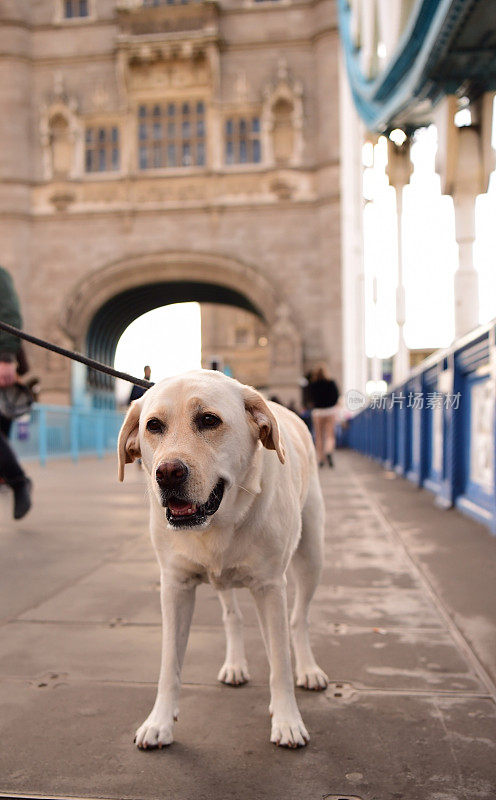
[[156, 151]]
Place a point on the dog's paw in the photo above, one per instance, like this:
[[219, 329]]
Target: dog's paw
[[313, 679], [289, 732], [153, 734], [234, 674]]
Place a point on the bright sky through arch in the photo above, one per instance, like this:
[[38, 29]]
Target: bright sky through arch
[[167, 338]]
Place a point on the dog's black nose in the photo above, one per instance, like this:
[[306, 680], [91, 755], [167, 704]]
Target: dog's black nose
[[171, 474]]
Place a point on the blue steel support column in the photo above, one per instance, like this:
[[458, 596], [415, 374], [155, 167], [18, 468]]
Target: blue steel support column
[[100, 433], [389, 460], [42, 436], [376, 416], [74, 423], [413, 431], [408, 450], [400, 422], [385, 435], [424, 433], [370, 432], [451, 484]]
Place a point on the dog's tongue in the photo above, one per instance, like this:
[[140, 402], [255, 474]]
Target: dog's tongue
[[180, 508]]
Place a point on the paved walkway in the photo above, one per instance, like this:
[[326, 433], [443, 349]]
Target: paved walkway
[[404, 623]]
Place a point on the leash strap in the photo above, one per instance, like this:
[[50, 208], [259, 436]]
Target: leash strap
[[89, 362]]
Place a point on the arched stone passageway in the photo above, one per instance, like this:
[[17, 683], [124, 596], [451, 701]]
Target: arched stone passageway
[[112, 319], [104, 305], [97, 288]]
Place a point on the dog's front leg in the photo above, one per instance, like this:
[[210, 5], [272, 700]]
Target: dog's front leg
[[288, 729], [177, 601]]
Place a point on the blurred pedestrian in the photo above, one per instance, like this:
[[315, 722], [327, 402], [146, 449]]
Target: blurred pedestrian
[[139, 391], [11, 354], [323, 394]]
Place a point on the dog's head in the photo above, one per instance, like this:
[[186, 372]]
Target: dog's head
[[196, 435]]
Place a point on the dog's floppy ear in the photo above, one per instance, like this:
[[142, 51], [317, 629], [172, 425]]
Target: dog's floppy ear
[[128, 443], [268, 429]]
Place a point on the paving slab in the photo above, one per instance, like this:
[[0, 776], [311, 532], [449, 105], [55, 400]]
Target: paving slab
[[78, 521], [410, 713], [76, 740]]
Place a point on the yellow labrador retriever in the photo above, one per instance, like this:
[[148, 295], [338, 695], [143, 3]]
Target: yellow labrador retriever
[[235, 500]]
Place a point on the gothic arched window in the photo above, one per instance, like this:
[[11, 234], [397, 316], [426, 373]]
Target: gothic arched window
[[61, 146]]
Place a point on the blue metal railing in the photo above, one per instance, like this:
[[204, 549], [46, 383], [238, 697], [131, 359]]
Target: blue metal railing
[[66, 431], [438, 427]]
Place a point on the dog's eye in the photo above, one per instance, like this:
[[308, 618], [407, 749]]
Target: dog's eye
[[208, 421], [154, 426]]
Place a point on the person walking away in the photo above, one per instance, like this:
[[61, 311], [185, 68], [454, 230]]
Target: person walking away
[[10, 351], [323, 395]]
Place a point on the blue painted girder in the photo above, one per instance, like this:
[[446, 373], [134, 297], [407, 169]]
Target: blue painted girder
[[448, 47]]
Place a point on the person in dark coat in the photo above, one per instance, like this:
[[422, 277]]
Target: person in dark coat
[[10, 352], [323, 394], [139, 391]]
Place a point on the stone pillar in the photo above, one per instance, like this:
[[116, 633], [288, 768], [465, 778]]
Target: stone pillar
[[286, 371], [376, 366], [352, 273], [466, 278], [399, 169], [464, 161]]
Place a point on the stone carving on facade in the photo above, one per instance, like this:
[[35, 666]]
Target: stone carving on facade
[[168, 45], [61, 134], [128, 5], [183, 65], [100, 98], [282, 119], [281, 188], [138, 19]]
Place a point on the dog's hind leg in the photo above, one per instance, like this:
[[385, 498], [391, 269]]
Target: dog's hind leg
[[234, 670], [305, 569]]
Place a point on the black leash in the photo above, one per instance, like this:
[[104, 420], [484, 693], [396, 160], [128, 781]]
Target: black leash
[[90, 362]]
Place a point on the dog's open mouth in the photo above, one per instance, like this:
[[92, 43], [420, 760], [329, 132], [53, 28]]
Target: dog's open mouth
[[185, 514]]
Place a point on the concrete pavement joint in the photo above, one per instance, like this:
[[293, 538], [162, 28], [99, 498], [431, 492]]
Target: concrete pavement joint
[[350, 690], [342, 630]]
